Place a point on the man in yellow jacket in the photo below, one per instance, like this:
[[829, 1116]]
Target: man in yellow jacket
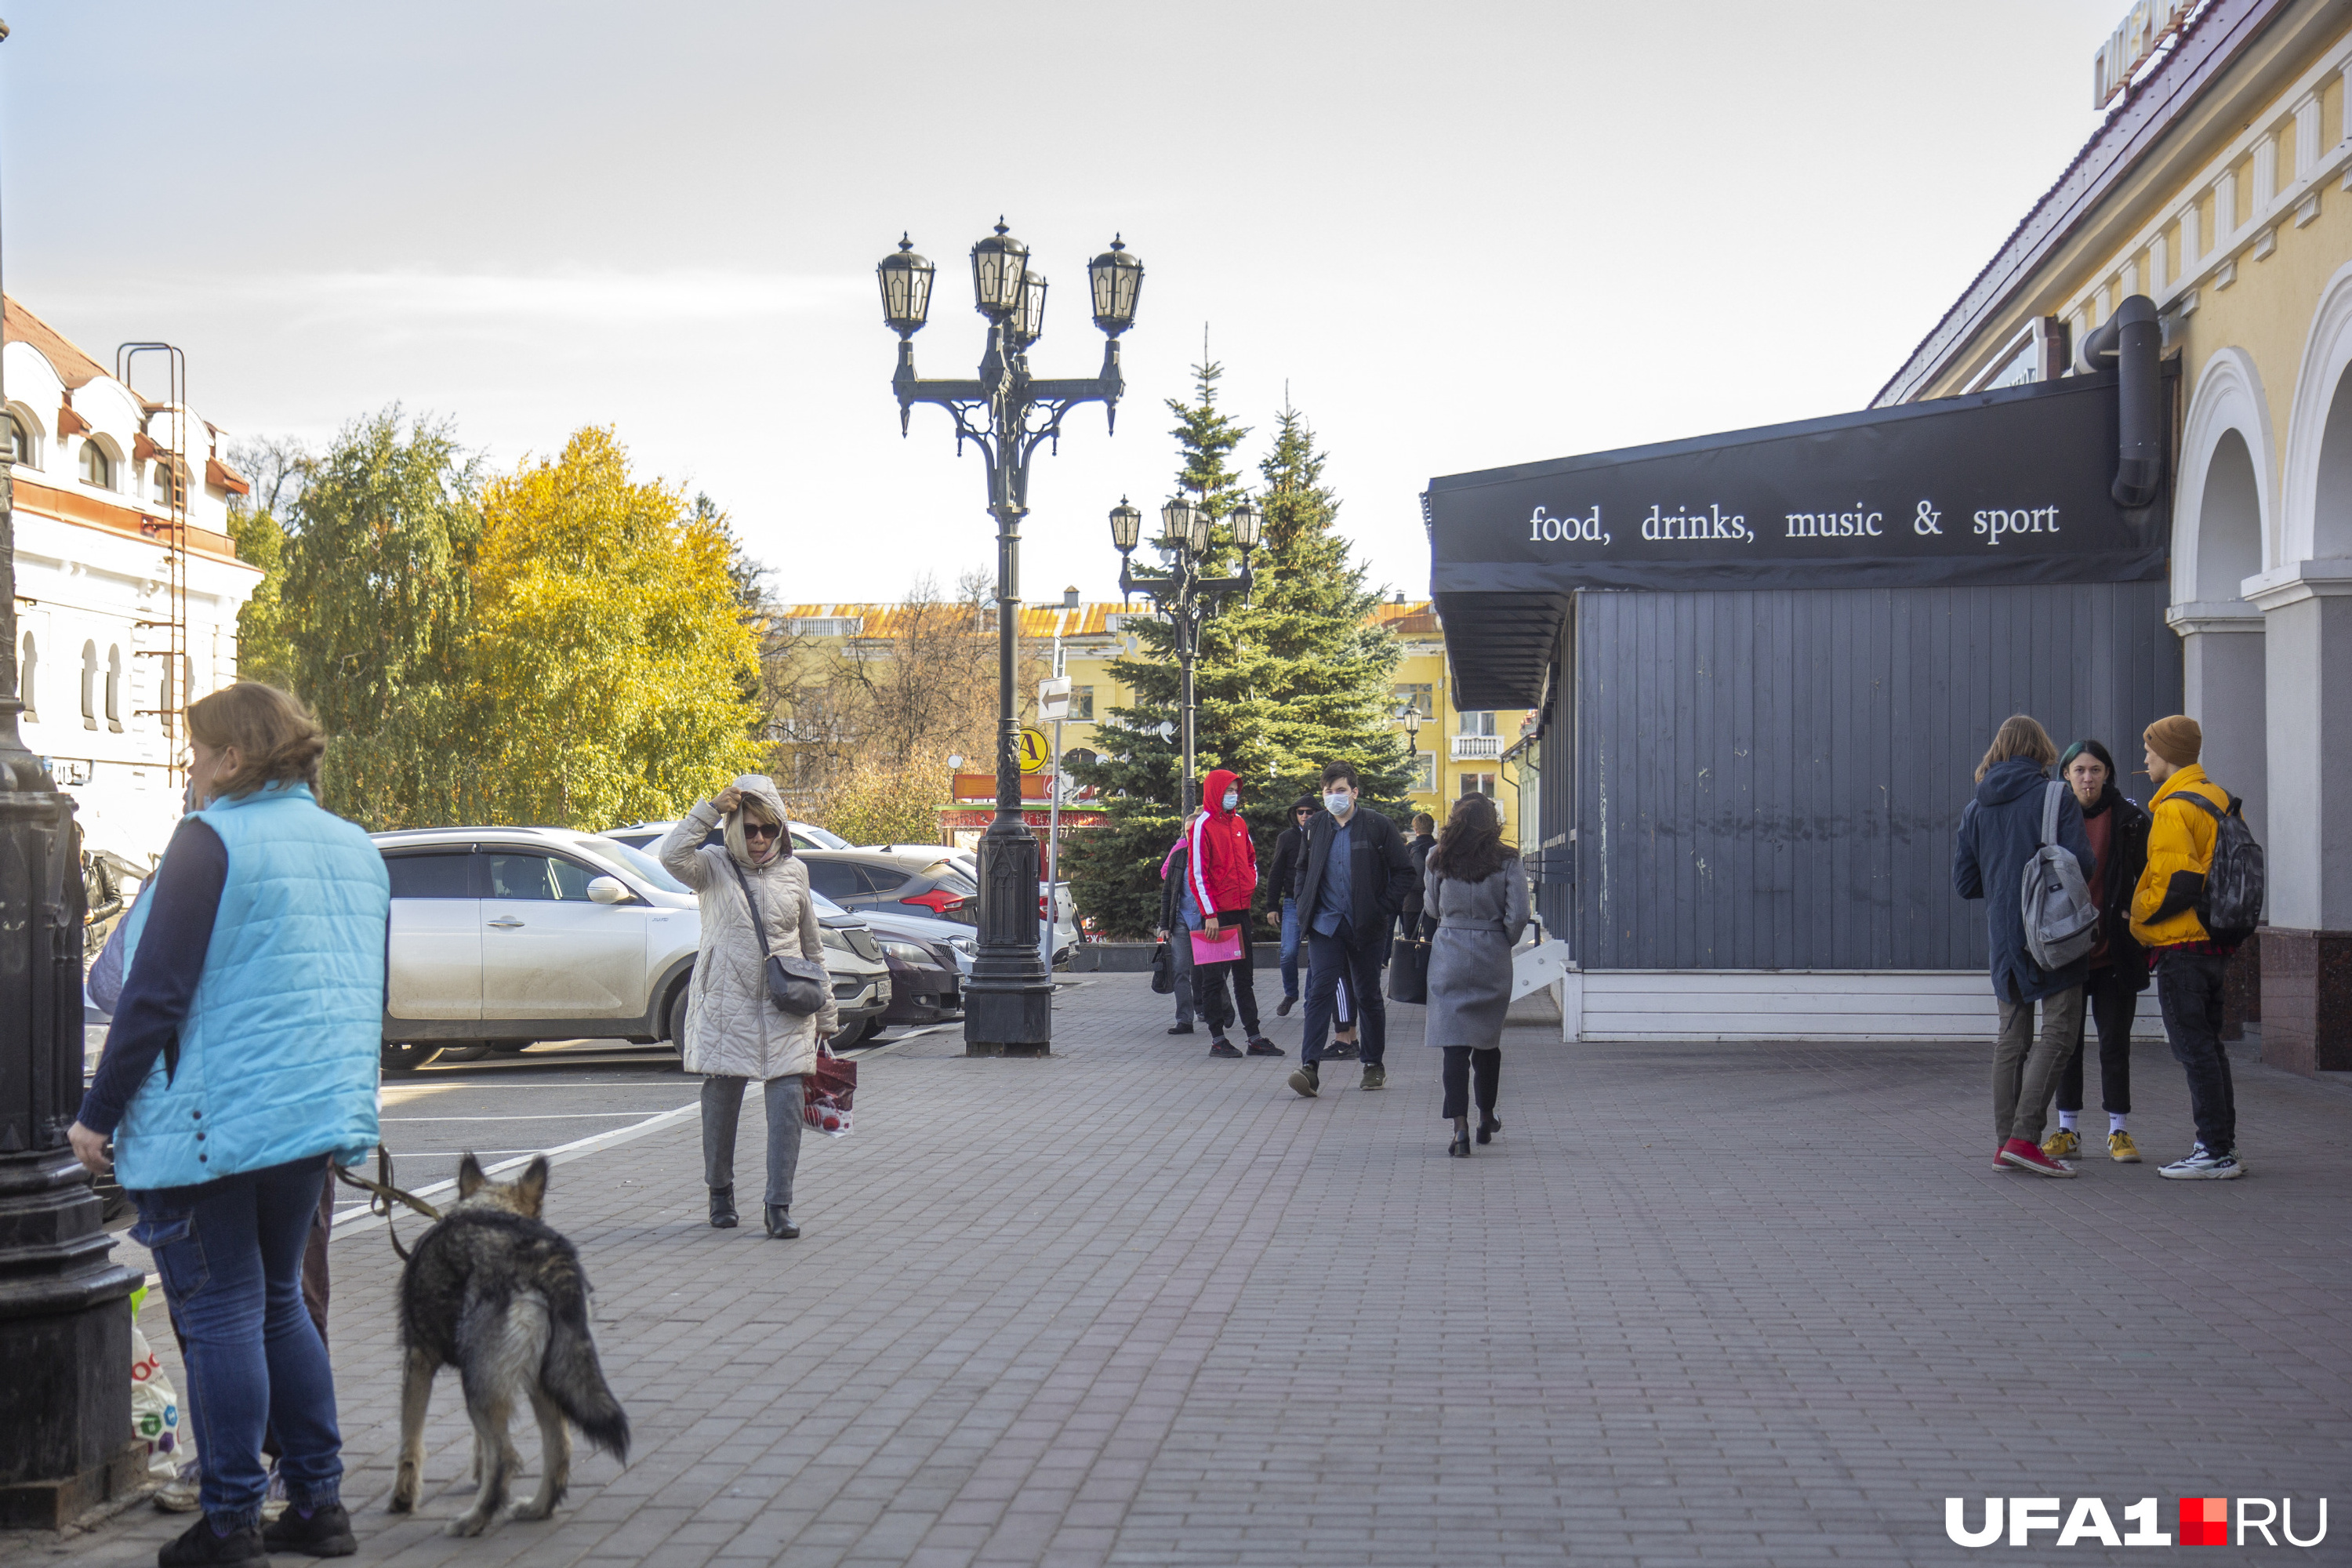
[[2187, 958]]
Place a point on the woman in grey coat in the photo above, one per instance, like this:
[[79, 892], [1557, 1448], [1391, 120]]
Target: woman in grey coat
[[1475, 902], [733, 1034]]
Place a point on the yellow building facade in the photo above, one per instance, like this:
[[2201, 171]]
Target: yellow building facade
[[2220, 188]]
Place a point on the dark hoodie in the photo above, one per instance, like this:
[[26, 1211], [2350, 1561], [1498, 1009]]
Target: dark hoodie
[[1999, 832], [1288, 845]]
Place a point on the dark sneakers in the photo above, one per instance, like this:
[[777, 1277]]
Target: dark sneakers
[[200, 1547], [1260, 1045], [327, 1532], [1282, 1008], [1307, 1080], [1222, 1047], [1179, 1028], [1375, 1077]]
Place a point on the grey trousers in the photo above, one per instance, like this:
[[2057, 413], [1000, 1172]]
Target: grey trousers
[[2025, 1068], [722, 1106]]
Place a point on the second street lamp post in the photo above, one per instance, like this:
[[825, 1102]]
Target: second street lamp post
[[1006, 413], [1185, 598]]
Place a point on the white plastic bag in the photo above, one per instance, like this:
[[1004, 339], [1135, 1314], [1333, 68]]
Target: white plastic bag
[[155, 1415]]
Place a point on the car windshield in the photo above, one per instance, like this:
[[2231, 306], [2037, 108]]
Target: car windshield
[[820, 837], [636, 860]]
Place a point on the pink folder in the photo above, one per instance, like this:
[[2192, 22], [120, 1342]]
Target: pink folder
[[1225, 947]]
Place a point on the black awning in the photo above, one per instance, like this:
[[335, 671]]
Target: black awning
[[2007, 487]]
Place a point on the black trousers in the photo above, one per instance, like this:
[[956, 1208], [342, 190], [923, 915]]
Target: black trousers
[[2113, 1003], [1461, 1063], [1328, 959], [2189, 987], [1210, 980]]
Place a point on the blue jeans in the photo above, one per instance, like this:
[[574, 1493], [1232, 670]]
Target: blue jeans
[[1328, 958], [1290, 949], [230, 1253]]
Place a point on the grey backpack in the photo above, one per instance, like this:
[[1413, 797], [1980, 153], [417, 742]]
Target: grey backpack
[[2062, 923], [2232, 904]]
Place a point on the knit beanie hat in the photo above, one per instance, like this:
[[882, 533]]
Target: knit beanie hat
[[2177, 740]]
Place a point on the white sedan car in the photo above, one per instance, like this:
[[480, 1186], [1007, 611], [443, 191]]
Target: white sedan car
[[504, 936]]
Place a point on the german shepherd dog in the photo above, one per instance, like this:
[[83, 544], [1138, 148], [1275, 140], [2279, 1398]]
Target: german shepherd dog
[[495, 1293]]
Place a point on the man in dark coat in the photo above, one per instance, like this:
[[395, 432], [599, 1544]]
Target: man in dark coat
[[1352, 882], [1423, 841], [1999, 831], [1281, 909]]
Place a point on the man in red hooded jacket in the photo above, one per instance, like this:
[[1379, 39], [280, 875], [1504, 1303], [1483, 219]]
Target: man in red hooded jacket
[[1222, 875]]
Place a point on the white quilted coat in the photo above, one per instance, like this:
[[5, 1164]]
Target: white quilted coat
[[731, 1028]]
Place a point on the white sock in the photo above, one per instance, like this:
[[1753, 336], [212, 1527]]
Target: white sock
[[2066, 1119], [2114, 1124]]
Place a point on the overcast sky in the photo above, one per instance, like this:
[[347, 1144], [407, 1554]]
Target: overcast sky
[[1460, 235]]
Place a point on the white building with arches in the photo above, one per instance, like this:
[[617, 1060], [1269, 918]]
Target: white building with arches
[[2221, 187], [94, 465]]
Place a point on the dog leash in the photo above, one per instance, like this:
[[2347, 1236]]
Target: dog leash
[[383, 1195]]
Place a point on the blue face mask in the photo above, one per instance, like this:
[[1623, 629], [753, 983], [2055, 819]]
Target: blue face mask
[[1335, 802], [1233, 799]]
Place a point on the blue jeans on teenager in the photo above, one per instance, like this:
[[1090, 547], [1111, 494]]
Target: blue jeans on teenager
[[230, 1253], [1290, 949]]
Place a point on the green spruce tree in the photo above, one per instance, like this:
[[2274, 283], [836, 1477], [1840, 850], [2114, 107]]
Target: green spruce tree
[[1139, 747]]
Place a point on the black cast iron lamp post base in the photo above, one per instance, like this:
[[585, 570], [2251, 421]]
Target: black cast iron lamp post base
[[1006, 413], [1185, 598], [65, 1441]]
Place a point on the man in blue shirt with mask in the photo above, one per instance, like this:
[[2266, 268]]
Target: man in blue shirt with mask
[[1352, 880]]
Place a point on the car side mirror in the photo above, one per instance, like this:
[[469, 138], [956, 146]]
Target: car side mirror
[[608, 891]]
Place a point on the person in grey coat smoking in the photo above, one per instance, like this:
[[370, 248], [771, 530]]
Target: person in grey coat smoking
[[1475, 894]]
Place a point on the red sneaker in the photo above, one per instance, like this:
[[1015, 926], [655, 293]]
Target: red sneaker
[[2028, 1156]]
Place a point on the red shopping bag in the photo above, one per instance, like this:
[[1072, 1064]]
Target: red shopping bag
[[1225, 947], [826, 1094]]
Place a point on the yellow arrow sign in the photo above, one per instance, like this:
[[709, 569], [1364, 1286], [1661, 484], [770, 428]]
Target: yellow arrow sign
[[1034, 751]]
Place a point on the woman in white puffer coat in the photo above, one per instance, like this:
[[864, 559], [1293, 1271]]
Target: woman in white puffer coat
[[734, 1033]]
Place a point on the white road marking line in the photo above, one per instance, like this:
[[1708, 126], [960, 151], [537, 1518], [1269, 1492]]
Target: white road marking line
[[357, 1214], [542, 1116]]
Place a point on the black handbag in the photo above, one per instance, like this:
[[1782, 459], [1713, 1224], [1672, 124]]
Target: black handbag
[[1163, 971], [796, 985], [1409, 972]]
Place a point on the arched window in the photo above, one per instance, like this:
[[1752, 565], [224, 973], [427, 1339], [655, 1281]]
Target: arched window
[[114, 688], [13, 446], [164, 484], [28, 680], [97, 468], [90, 686]]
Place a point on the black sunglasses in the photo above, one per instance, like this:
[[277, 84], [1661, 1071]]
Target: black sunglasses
[[761, 830]]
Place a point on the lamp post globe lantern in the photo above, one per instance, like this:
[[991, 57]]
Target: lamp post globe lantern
[[1125, 526], [999, 266], [1201, 525], [1245, 519], [906, 280], [1115, 278], [1029, 316], [1176, 522]]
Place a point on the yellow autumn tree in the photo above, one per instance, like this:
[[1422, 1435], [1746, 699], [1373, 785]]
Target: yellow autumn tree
[[612, 658]]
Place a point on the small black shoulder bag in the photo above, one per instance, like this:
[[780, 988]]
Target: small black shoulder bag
[[796, 985]]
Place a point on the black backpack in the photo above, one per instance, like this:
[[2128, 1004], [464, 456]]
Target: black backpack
[[2232, 904]]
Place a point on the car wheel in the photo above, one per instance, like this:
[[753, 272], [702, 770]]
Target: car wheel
[[463, 1053], [403, 1056]]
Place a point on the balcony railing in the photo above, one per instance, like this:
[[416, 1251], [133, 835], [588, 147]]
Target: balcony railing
[[1468, 747]]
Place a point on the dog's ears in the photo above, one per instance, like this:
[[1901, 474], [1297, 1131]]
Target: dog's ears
[[531, 1189], [470, 1179]]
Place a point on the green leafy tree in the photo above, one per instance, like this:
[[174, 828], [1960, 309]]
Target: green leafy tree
[[264, 650], [379, 578], [1139, 767], [612, 664]]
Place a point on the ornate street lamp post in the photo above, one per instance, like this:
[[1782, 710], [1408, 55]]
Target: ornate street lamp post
[[1408, 715], [1185, 598], [66, 1442], [1006, 413]]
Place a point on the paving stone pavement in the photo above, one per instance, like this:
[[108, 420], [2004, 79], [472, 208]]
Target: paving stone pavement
[[1697, 1303]]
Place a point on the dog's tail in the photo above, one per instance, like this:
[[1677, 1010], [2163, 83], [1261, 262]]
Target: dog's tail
[[571, 1372]]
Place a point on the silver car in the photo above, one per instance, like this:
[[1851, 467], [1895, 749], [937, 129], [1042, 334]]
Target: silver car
[[504, 936]]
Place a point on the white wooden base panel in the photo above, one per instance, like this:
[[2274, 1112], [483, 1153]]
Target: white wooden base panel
[[1792, 1005]]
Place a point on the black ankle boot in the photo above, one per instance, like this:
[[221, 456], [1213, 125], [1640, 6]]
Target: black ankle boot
[[722, 1208], [780, 1223]]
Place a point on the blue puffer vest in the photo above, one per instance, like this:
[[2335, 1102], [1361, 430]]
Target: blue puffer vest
[[279, 1054]]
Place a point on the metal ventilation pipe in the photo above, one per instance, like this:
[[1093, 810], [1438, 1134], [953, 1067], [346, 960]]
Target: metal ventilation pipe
[[2132, 341]]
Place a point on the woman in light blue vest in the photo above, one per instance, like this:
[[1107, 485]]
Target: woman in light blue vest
[[241, 1059]]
